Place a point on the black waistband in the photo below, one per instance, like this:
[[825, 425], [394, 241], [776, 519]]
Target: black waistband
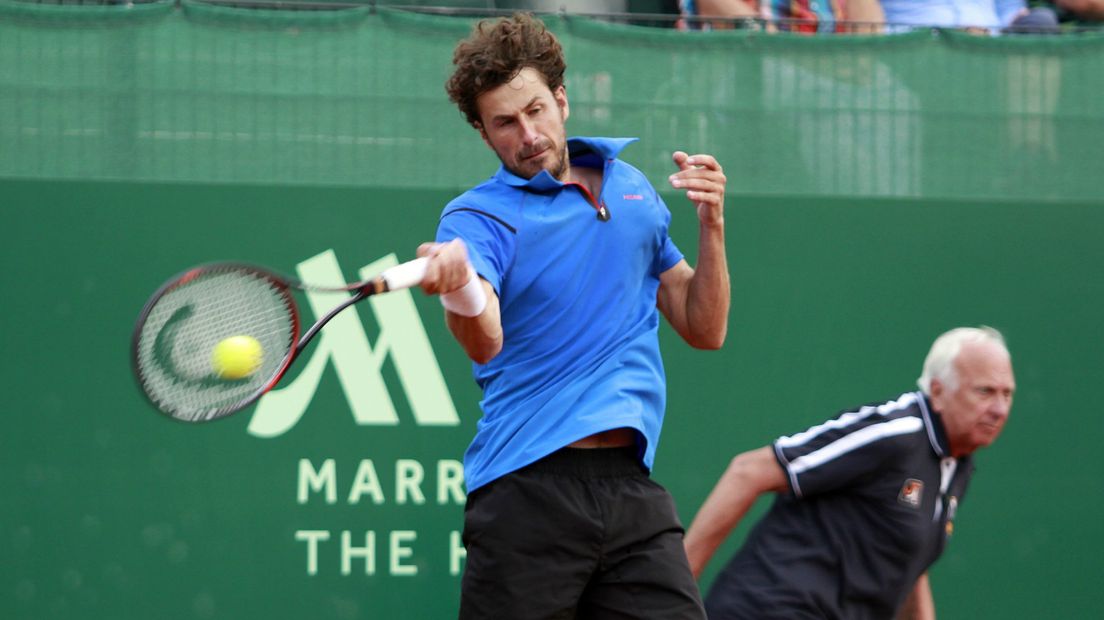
[[592, 462]]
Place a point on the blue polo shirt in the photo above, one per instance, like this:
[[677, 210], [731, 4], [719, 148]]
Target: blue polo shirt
[[580, 352]]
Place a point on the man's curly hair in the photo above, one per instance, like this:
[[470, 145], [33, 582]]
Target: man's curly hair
[[495, 52]]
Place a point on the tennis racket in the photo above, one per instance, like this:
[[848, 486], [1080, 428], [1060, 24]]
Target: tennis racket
[[173, 349]]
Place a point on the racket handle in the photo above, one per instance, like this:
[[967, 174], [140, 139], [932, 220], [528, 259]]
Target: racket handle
[[405, 275]]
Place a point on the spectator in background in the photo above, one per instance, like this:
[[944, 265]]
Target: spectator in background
[[1080, 12], [728, 14], [978, 16], [975, 16], [807, 16], [1016, 17], [869, 16]]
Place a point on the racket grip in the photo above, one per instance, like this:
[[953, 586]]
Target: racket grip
[[405, 275]]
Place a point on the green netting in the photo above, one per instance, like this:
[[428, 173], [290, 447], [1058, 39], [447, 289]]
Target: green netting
[[193, 92]]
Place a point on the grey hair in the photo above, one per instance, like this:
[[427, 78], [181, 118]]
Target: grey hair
[[940, 363]]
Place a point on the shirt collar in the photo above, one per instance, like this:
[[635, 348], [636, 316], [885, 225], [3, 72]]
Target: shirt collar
[[937, 435], [607, 148]]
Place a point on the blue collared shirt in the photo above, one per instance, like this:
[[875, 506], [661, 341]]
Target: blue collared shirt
[[578, 301]]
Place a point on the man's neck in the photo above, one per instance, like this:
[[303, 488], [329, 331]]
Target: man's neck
[[590, 178]]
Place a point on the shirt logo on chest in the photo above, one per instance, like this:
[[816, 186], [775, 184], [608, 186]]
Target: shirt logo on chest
[[912, 493], [632, 197]]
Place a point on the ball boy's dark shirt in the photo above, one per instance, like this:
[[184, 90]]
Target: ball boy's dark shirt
[[872, 502]]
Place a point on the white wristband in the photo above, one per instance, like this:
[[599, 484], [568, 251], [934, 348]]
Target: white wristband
[[468, 300]]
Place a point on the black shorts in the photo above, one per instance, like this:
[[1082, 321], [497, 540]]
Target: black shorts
[[582, 533]]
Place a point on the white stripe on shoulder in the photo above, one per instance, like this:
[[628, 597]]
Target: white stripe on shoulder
[[858, 439], [903, 402]]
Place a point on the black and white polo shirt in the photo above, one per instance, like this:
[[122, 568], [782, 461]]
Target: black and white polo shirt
[[873, 498]]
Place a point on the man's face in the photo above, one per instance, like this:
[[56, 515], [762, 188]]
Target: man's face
[[974, 414], [523, 123]]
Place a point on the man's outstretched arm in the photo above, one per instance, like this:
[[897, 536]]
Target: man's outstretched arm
[[748, 476]]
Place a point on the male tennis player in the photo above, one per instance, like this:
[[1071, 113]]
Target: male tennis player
[[866, 501], [552, 272]]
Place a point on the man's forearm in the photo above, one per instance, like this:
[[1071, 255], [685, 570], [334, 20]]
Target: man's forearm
[[709, 294], [722, 511], [919, 605], [747, 476], [481, 335]]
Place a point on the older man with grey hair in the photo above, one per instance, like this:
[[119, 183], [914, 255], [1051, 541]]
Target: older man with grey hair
[[865, 502]]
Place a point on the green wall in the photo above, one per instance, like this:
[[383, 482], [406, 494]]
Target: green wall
[[111, 510]]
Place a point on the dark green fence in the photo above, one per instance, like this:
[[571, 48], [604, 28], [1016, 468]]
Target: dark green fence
[[193, 92]]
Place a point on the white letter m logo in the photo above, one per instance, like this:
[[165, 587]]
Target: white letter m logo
[[358, 363]]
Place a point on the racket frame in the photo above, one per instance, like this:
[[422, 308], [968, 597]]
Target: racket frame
[[404, 276]]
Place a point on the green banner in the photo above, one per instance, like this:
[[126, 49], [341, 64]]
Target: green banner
[[340, 495]]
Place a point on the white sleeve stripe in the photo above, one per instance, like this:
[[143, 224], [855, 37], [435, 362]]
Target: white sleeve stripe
[[859, 438], [847, 419], [794, 484]]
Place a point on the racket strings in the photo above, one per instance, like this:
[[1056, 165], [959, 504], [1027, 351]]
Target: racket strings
[[183, 327]]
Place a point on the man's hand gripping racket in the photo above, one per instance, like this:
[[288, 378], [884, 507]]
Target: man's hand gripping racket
[[214, 339]]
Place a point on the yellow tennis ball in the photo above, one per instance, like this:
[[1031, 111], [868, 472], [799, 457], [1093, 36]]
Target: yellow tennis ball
[[237, 357]]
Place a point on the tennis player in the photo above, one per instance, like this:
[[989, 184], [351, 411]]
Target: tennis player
[[551, 273], [866, 502]]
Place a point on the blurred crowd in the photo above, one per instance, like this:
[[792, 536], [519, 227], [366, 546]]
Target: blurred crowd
[[992, 17]]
